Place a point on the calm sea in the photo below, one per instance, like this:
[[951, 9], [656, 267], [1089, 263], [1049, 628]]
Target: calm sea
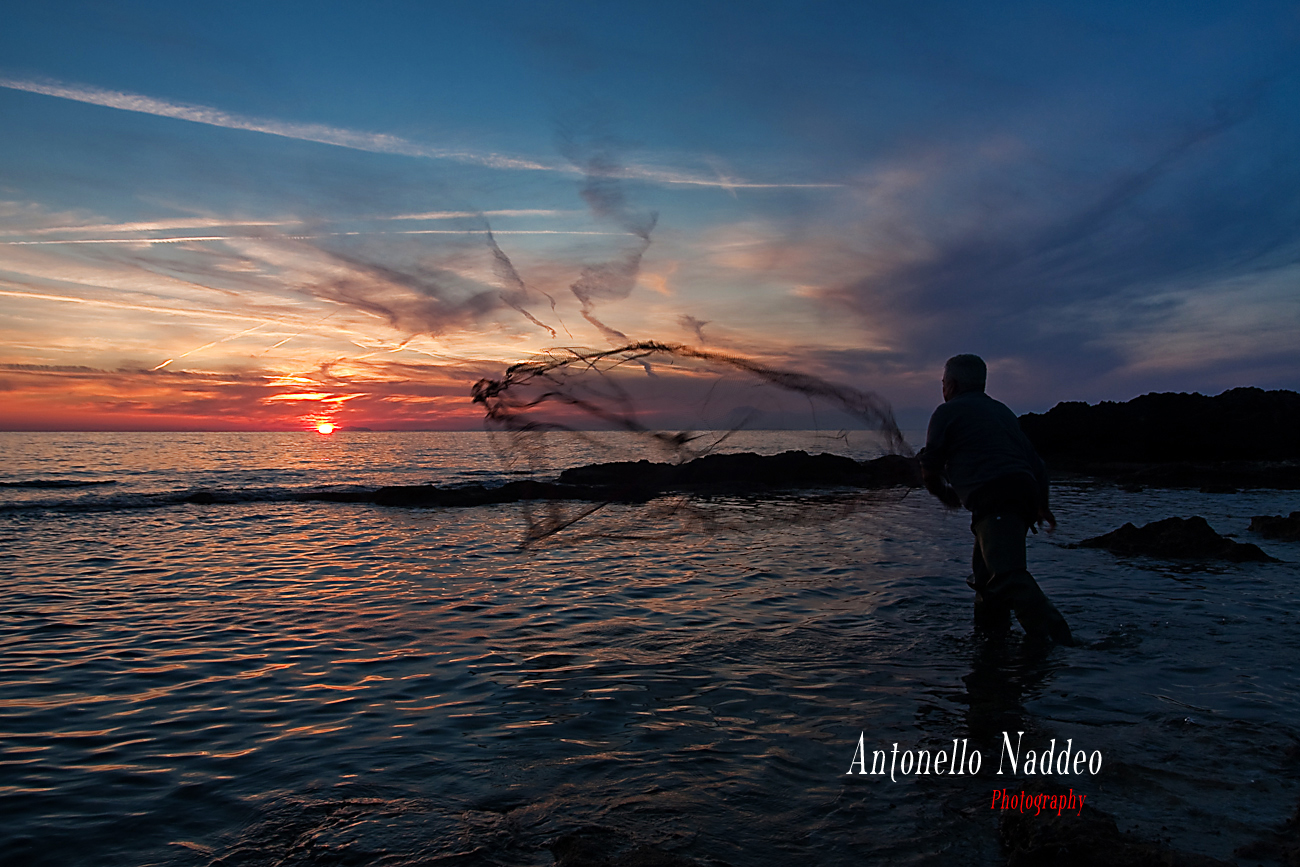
[[268, 681]]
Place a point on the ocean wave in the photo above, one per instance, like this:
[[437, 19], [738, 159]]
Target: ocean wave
[[192, 496]]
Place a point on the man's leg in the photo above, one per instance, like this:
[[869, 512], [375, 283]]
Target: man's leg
[[1000, 540], [991, 615]]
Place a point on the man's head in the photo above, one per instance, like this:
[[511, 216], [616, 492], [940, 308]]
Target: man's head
[[963, 373]]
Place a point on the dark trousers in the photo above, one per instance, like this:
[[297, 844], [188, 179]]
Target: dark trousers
[[1003, 585]]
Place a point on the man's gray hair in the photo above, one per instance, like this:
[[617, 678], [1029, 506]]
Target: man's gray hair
[[966, 373]]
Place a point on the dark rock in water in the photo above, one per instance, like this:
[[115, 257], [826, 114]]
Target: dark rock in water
[[1178, 538], [1082, 838], [751, 472], [1243, 424], [603, 847], [1277, 527], [637, 481]]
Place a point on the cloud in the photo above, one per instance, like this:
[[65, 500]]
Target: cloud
[[1009, 254], [182, 239], [356, 140], [420, 298], [149, 226], [34, 212], [363, 141], [460, 289], [117, 305]]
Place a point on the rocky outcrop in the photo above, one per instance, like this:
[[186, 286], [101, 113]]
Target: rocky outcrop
[[1176, 538], [1244, 424], [1243, 438], [1277, 527]]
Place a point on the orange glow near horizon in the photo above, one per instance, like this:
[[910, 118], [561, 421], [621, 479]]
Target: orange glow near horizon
[[325, 427]]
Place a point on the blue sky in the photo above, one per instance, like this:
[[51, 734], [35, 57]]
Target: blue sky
[[269, 214]]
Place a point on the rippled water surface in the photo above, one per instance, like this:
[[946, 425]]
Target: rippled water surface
[[283, 682]]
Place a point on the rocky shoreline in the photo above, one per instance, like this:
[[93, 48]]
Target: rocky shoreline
[[1245, 438]]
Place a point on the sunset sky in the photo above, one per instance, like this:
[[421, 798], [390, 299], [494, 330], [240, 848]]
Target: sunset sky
[[265, 215]]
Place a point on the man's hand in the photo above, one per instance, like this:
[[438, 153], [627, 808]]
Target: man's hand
[[948, 496], [939, 486], [1045, 516]]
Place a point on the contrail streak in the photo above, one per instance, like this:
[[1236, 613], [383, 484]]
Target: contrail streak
[[154, 226], [180, 240], [212, 223], [121, 240], [170, 311], [208, 345], [363, 141]]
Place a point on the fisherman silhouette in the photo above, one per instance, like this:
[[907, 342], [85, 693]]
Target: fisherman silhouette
[[976, 456]]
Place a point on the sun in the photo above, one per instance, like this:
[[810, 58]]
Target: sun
[[325, 427]]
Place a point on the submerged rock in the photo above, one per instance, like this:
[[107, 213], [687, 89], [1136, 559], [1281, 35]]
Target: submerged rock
[[1277, 527], [1177, 538], [1087, 838]]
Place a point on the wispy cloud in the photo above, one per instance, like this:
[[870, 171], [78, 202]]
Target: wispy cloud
[[362, 141], [151, 226], [179, 239], [229, 223], [456, 215], [382, 143], [174, 240], [117, 305]]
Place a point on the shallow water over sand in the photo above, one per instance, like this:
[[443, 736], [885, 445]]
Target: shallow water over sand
[[305, 682]]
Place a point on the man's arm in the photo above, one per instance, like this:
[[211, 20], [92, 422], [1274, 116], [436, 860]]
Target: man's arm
[[932, 459]]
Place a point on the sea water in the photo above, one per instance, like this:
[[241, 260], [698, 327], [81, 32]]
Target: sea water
[[267, 681]]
